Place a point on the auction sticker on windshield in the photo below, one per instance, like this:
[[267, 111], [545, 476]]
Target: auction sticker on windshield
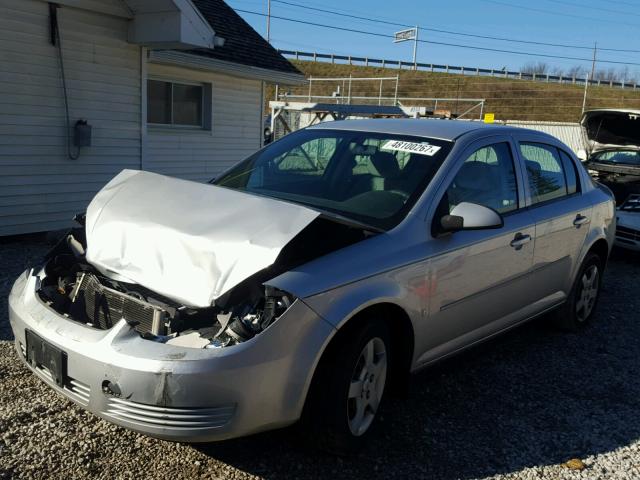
[[411, 147]]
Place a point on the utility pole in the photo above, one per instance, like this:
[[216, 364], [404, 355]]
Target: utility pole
[[593, 64], [415, 48], [263, 91], [268, 21], [590, 77]]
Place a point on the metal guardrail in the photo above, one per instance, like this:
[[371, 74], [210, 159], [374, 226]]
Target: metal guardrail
[[400, 64]]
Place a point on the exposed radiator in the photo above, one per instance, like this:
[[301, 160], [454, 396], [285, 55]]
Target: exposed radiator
[[104, 307]]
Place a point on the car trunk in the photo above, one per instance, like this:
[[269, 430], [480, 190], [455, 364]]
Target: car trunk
[[606, 129]]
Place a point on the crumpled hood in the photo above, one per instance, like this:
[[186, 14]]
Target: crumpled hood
[[188, 241], [606, 129]]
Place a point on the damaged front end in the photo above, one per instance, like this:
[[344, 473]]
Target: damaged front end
[[77, 290], [164, 311], [178, 274]]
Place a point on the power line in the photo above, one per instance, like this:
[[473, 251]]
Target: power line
[[450, 32], [306, 7], [619, 2], [550, 12], [432, 42], [608, 10]]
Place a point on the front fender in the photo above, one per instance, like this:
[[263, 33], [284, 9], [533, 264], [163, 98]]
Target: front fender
[[339, 305], [404, 287]]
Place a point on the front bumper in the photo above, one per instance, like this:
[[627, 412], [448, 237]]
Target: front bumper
[[172, 392]]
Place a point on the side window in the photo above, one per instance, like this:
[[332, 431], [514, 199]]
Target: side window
[[570, 173], [487, 177], [544, 171]]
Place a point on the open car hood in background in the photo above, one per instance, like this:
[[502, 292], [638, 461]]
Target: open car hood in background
[[188, 241], [606, 129]]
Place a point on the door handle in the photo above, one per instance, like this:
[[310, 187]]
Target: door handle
[[580, 220], [520, 241]]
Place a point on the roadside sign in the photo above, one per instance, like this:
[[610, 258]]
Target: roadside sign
[[405, 35], [489, 117]]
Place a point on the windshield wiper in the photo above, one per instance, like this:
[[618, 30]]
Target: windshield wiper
[[347, 221]]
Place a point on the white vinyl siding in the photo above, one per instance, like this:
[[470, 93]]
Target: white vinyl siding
[[201, 154], [40, 188]]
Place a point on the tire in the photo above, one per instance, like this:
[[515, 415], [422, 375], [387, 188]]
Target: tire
[[348, 389], [579, 308]]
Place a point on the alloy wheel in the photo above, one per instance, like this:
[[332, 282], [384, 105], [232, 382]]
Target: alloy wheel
[[367, 386], [589, 284]]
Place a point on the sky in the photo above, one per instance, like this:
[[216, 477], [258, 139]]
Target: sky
[[613, 24]]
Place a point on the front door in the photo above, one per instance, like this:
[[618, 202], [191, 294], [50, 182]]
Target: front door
[[479, 280]]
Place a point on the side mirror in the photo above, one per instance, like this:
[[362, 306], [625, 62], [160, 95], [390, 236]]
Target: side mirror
[[471, 216], [582, 155]]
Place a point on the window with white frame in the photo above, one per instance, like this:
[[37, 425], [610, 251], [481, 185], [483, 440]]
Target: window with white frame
[[178, 104]]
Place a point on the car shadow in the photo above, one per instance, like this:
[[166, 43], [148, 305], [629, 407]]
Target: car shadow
[[17, 253], [533, 397]]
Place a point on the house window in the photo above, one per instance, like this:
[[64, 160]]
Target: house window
[[178, 104]]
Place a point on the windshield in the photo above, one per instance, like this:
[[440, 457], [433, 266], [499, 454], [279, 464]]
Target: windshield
[[625, 157], [373, 178]]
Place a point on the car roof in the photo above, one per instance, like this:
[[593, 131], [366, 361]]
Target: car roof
[[433, 128]]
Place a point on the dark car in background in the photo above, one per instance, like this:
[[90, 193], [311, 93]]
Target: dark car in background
[[614, 160]]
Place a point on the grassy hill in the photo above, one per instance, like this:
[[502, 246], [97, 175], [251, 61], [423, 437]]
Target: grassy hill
[[509, 99]]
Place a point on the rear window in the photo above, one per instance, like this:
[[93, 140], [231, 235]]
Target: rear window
[[571, 174], [544, 171], [624, 157]]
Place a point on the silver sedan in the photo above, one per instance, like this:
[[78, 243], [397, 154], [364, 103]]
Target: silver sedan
[[309, 280]]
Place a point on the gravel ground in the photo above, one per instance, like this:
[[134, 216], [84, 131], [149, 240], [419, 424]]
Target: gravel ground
[[520, 407]]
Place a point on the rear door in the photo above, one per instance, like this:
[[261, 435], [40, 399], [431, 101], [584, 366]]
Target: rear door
[[561, 215]]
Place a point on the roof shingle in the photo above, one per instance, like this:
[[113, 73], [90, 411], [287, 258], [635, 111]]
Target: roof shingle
[[242, 43]]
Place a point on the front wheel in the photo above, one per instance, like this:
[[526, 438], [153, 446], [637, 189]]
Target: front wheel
[[579, 308], [348, 389]]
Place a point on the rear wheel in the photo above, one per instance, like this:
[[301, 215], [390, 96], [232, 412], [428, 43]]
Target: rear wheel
[[348, 389], [579, 308]]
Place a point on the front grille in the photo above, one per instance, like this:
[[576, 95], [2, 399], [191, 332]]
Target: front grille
[[104, 307], [185, 418], [78, 390], [627, 233]]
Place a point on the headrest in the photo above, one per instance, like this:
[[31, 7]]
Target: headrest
[[363, 149], [386, 164], [475, 176], [533, 167]]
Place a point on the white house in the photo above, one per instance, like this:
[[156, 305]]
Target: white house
[[171, 86]]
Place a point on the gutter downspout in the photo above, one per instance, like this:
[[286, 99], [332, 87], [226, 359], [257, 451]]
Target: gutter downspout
[[263, 90], [143, 107]]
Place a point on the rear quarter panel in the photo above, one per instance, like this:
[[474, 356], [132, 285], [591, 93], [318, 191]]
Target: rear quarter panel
[[603, 221]]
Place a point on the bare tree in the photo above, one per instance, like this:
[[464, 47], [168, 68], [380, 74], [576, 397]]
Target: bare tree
[[627, 76], [610, 74], [607, 75], [577, 71], [535, 67]]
